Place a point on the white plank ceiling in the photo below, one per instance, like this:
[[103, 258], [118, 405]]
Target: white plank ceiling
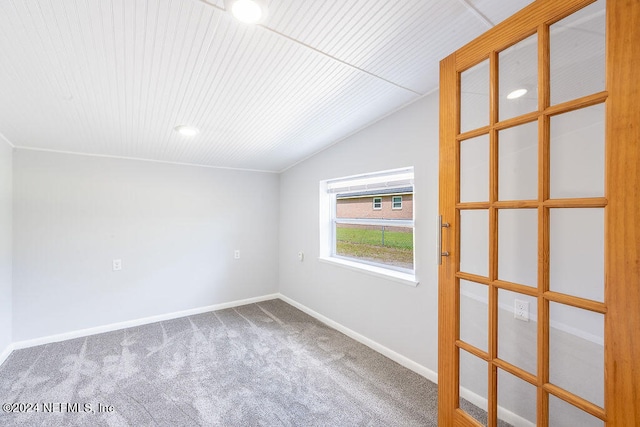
[[114, 77]]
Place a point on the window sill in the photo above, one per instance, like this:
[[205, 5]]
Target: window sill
[[396, 276]]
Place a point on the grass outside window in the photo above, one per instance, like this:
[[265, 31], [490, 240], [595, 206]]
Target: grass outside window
[[381, 244]]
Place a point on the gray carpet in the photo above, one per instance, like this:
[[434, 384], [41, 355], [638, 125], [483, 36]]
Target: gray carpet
[[265, 364]]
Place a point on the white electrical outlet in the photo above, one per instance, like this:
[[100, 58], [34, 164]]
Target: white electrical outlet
[[300, 256], [236, 254], [117, 264], [521, 310]]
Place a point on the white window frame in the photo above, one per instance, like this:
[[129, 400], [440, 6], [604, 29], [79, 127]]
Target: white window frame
[[393, 203], [374, 203], [328, 223]]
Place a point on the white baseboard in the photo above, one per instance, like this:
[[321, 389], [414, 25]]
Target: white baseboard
[[473, 398], [5, 353], [396, 357], [136, 322]]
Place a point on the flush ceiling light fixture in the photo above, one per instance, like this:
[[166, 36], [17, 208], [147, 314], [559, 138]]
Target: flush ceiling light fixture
[[187, 130], [517, 93], [247, 11]]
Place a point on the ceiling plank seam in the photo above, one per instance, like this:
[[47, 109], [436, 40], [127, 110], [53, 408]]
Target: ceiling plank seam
[[477, 13], [354, 67]]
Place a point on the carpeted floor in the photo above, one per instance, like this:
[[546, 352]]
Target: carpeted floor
[[265, 364]]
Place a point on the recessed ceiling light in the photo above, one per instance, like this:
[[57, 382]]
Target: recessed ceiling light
[[187, 130], [248, 11], [517, 93]]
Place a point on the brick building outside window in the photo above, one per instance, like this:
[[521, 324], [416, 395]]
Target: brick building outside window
[[394, 203]]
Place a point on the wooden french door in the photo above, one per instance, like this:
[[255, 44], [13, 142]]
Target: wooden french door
[[539, 283]]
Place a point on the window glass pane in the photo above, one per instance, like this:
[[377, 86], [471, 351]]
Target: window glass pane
[[518, 162], [519, 78], [577, 153], [474, 242], [397, 202], [473, 386], [474, 97], [517, 336], [474, 314], [562, 414], [516, 401], [374, 243], [576, 252], [577, 54], [576, 351], [474, 169], [369, 219], [518, 246]]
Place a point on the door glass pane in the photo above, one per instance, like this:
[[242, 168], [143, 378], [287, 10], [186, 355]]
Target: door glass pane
[[516, 400], [577, 153], [473, 386], [474, 97], [474, 242], [517, 335], [518, 246], [474, 169], [576, 252], [576, 351], [562, 414], [518, 162], [577, 54], [474, 314], [519, 78]]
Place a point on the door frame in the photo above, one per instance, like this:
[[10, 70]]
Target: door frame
[[622, 194]]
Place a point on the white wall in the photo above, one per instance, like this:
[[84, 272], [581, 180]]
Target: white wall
[[397, 316], [174, 227], [6, 198]]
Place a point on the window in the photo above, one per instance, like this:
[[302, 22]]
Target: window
[[378, 239], [397, 202], [377, 203]]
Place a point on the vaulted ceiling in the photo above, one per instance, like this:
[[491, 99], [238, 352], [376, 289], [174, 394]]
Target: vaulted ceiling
[[115, 77]]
